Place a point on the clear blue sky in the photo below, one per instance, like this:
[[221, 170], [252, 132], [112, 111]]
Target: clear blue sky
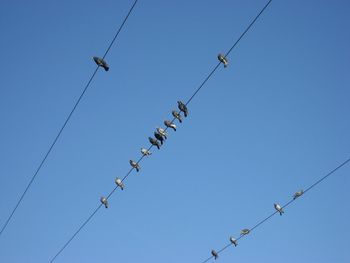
[[273, 122]]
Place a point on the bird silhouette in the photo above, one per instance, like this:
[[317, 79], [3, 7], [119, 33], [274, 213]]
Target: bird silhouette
[[101, 63], [182, 107]]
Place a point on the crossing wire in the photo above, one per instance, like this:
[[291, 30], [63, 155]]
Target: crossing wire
[[65, 123], [141, 158], [284, 206]]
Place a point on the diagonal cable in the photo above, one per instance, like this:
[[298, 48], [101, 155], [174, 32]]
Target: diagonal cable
[[150, 147], [64, 124], [284, 206]]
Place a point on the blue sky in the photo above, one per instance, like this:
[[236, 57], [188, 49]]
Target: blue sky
[[271, 123]]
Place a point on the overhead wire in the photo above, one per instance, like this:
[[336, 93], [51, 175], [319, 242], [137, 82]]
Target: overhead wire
[[284, 206], [65, 123], [151, 146]]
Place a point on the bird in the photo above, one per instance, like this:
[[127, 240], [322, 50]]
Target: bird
[[182, 107], [135, 165], [233, 241], [245, 231], [162, 132], [145, 152], [177, 115], [298, 194], [215, 254], [104, 201], [159, 137], [169, 124], [223, 60], [154, 142], [278, 208], [119, 183], [101, 63]]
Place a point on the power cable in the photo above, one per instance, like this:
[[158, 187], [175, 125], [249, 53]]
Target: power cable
[[140, 159], [284, 206], [65, 123]]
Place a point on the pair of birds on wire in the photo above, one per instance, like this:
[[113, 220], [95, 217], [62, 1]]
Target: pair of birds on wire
[[246, 231], [102, 63]]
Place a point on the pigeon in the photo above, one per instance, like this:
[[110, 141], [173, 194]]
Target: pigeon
[[162, 132], [159, 137], [169, 124], [245, 231], [177, 115], [182, 107], [154, 142], [104, 201], [233, 241], [278, 208], [298, 194], [119, 182], [145, 152], [101, 63], [135, 165], [215, 254], [223, 60]]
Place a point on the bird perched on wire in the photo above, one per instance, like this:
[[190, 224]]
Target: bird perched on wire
[[154, 142], [101, 63], [233, 241], [223, 60], [119, 182], [298, 194], [215, 254], [159, 137], [182, 107], [169, 124], [245, 231], [278, 208], [135, 165], [162, 132], [177, 115], [104, 201], [145, 152]]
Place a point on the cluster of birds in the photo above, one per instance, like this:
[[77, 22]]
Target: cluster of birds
[[246, 231], [160, 135]]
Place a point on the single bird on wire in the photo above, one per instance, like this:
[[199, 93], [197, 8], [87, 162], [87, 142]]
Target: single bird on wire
[[135, 165], [223, 60], [177, 115], [278, 208], [159, 137], [104, 201], [145, 152], [154, 142], [101, 63], [182, 107], [119, 183], [298, 194], [215, 254], [169, 124]]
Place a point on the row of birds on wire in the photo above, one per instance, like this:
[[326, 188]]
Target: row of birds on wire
[[160, 135], [233, 241]]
